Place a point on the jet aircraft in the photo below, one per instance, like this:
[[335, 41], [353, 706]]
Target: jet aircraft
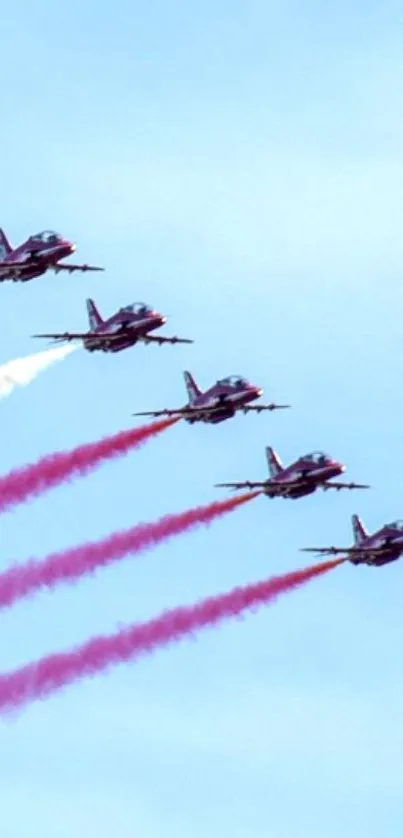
[[385, 545], [303, 477], [219, 402], [130, 325], [40, 253]]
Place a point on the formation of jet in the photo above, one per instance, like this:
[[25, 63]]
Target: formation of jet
[[130, 325], [385, 545], [219, 402], [136, 323], [39, 253], [303, 477]]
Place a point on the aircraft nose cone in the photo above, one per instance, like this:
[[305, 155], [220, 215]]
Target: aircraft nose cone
[[258, 391], [73, 247], [342, 468], [162, 320]]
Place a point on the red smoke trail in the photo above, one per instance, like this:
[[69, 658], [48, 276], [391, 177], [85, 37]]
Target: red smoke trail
[[53, 469], [39, 679], [68, 565]]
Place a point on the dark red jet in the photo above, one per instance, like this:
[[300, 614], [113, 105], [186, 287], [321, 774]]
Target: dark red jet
[[303, 477], [219, 402], [40, 253], [385, 545], [130, 325]]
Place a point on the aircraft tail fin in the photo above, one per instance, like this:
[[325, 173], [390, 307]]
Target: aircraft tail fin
[[273, 461], [5, 246], [359, 530], [192, 388], [94, 317]]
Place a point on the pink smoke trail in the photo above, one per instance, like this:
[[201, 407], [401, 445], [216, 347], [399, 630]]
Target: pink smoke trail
[[37, 680], [68, 565], [53, 469]]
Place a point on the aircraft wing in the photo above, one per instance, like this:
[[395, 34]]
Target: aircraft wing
[[259, 407], [183, 412], [161, 340], [347, 551], [329, 551], [71, 268], [156, 413], [283, 487], [329, 485], [200, 413], [63, 335], [15, 268], [246, 484]]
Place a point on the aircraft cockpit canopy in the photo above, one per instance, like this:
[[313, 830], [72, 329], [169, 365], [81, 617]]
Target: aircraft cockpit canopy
[[234, 381], [397, 525], [137, 308], [318, 458], [47, 237]]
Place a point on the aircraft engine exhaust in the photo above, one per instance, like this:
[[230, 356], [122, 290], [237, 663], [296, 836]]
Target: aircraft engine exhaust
[[37, 680], [21, 484], [22, 371], [69, 565]]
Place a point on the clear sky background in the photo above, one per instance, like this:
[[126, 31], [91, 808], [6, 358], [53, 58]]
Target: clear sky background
[[239, 166]]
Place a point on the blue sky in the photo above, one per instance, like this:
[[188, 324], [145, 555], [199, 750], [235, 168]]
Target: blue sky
[[239, 166]]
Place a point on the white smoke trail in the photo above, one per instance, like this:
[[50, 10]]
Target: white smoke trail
[[21, 371]]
